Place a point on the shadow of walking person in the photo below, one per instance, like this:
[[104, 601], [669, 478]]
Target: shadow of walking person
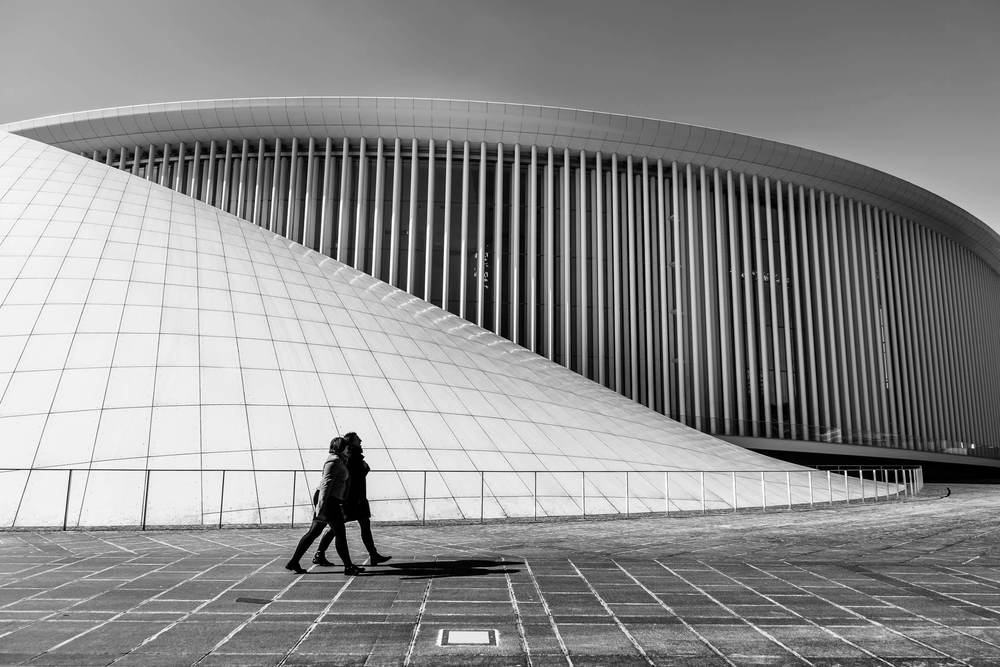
[[439, 569]]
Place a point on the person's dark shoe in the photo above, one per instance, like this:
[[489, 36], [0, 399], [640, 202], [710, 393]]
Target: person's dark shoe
[[378, 559], [351, 570], [293, 566], [320, 559]]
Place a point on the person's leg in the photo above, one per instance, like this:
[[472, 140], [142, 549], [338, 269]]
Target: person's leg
[[366, 536], [314, 530], [365, 524], [324, 544]]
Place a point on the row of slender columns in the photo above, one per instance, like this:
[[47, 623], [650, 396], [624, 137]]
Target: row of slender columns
[[734, 303]]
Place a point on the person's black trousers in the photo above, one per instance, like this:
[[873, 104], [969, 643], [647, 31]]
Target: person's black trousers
[[364, 524], [337, 531]]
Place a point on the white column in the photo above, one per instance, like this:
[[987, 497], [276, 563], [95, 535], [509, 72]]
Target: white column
[[582, 259], [136, 157], [309, 206], [361, 210], [633, 315], [531, 260], [481, 239], [292, 209], [344, 201], [649, 346], [195, 171], [258, 192], [844, 351], [696, 295], [784, 270], [752, 325], [446, 255], [680, 312], [761, 351], [411, 233], [379, 213], [429, 232], [549, 251], [736, 304], [272, 224], [566, 307], [515, 247], [179, 180], [209, 195], [326, 201], [663, 273], [150, 162], [709, 300], [821, 298], [498, 241], [616, 289], [463, 239], [394, 217], [601, 273], [774, 274], [165, 166], [723, 269], [122, 158]]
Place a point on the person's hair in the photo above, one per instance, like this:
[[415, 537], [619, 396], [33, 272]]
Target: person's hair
[[351, 438], [337, 445]]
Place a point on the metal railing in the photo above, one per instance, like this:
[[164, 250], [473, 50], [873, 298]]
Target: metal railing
[[215, 497]]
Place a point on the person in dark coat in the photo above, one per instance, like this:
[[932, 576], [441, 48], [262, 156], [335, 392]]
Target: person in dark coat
[[328, 501], [356, 507]]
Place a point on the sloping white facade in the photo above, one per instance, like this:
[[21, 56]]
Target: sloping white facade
[[141, 329]]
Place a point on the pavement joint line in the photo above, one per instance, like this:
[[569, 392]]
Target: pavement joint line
[[222, 642], [992, 583], [517, 614], [858, 615], [171, 546], [33, 596], [92, 534], [416, 626], [103, 623], [913, 613], [748, 622], [807, 620], [912, 584], [188, 614], [42, 571], [671, 611], [319, 618], [548, 613], [611, 613]]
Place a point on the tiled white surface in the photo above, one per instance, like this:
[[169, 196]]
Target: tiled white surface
[[142, 329]]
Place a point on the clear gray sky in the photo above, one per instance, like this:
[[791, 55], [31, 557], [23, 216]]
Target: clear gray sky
[[908, 86]]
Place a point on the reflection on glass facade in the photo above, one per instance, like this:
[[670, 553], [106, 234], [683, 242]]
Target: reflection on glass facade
[[191, 367], [739, 301]]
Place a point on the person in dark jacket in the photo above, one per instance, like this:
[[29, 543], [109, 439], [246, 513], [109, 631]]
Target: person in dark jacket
[[356, 507], [328, 503]]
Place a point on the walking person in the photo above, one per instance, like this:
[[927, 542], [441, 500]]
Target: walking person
[[356, 507], [329, 510]]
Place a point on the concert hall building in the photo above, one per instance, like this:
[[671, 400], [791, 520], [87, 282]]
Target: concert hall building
[[759, 293]]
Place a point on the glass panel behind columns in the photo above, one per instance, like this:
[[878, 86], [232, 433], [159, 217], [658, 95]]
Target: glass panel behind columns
[[176, 497]]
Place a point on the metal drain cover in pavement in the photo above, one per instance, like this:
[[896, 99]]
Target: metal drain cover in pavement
[[468, 638]]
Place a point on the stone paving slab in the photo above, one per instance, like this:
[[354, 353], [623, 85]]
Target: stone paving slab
[[915, 583]]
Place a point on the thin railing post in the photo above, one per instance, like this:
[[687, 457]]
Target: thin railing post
[[583, 492], [702, 491], [294, 480], [423, 511], [763, 492], [788, 488], [222, 497], [666, 492], [735, 497], [482, 496], [534, 497], [69, 486], [627, 508], [829, 485], [847, 488], [810, 489], [861, 476], [145, 499]]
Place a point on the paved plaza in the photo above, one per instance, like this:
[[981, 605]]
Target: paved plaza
[[915, 583]]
